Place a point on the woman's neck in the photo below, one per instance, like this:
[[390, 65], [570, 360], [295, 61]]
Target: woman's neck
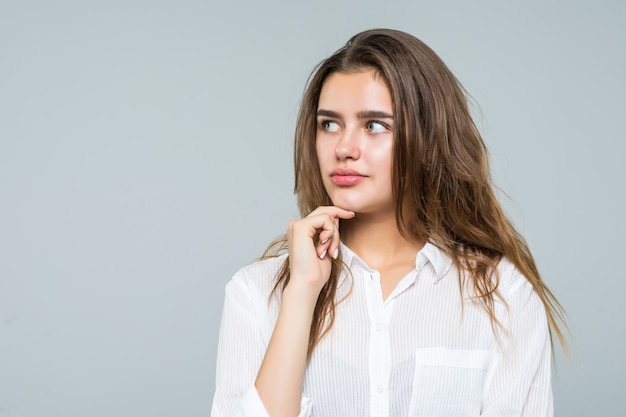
[[378, 242]]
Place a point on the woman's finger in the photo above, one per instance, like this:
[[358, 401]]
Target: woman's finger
[[329, 240], [325, 236], [333, 211]]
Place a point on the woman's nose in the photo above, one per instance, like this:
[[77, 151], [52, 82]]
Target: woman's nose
[[348, 146]]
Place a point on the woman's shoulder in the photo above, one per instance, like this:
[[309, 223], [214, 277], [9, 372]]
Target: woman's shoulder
[[259, 276], [512, 282], [263, 267]]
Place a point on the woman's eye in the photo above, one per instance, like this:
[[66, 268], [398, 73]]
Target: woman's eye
[[330, 126], [376, 127]]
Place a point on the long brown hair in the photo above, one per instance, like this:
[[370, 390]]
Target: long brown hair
[[442, 187]]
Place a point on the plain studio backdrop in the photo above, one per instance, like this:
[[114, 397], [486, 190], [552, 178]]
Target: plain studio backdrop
[[145, 156]]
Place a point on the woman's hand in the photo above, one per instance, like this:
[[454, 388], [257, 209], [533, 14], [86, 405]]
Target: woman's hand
[[309, 264]]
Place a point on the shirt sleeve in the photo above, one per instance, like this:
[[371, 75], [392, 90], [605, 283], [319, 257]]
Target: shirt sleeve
[[520, 381], [239, 355]]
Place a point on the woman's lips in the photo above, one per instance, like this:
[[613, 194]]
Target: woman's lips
[[342, 176]]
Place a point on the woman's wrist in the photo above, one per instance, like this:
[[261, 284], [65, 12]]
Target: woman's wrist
[[300, 295]]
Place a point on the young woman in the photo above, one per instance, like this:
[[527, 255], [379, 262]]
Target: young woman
[[404, 290]]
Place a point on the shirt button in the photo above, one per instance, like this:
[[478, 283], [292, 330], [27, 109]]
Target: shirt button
[[379, 326], [380, 388]]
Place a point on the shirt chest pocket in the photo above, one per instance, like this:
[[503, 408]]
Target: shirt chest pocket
[[449, 382]]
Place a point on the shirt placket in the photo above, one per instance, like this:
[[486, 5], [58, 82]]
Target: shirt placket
[[379, 347]]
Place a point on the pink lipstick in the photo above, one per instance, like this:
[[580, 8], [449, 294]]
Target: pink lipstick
[[343, 176]]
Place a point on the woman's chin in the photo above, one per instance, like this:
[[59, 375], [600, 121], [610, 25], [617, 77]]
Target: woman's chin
[[346, 205]]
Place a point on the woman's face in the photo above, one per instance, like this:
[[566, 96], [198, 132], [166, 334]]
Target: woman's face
[[354, 141]]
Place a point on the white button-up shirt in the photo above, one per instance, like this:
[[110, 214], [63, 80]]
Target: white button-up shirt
[[423, 351]]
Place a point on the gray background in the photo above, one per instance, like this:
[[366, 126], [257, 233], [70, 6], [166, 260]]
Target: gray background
[[145, 155]]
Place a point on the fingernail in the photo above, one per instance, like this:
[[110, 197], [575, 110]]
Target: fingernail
[[323, 255], [336, 253], [324, 241]]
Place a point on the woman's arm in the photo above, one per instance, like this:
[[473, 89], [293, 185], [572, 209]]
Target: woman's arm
[[520, 382], [241, 347], [281, 376]]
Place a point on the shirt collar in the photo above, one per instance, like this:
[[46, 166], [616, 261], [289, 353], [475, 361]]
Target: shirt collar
[[437, 258], [348, 257], [429, 254]]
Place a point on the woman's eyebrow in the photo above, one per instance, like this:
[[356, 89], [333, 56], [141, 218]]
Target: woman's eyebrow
[[365, 114], [373, 114], [328, 113]]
